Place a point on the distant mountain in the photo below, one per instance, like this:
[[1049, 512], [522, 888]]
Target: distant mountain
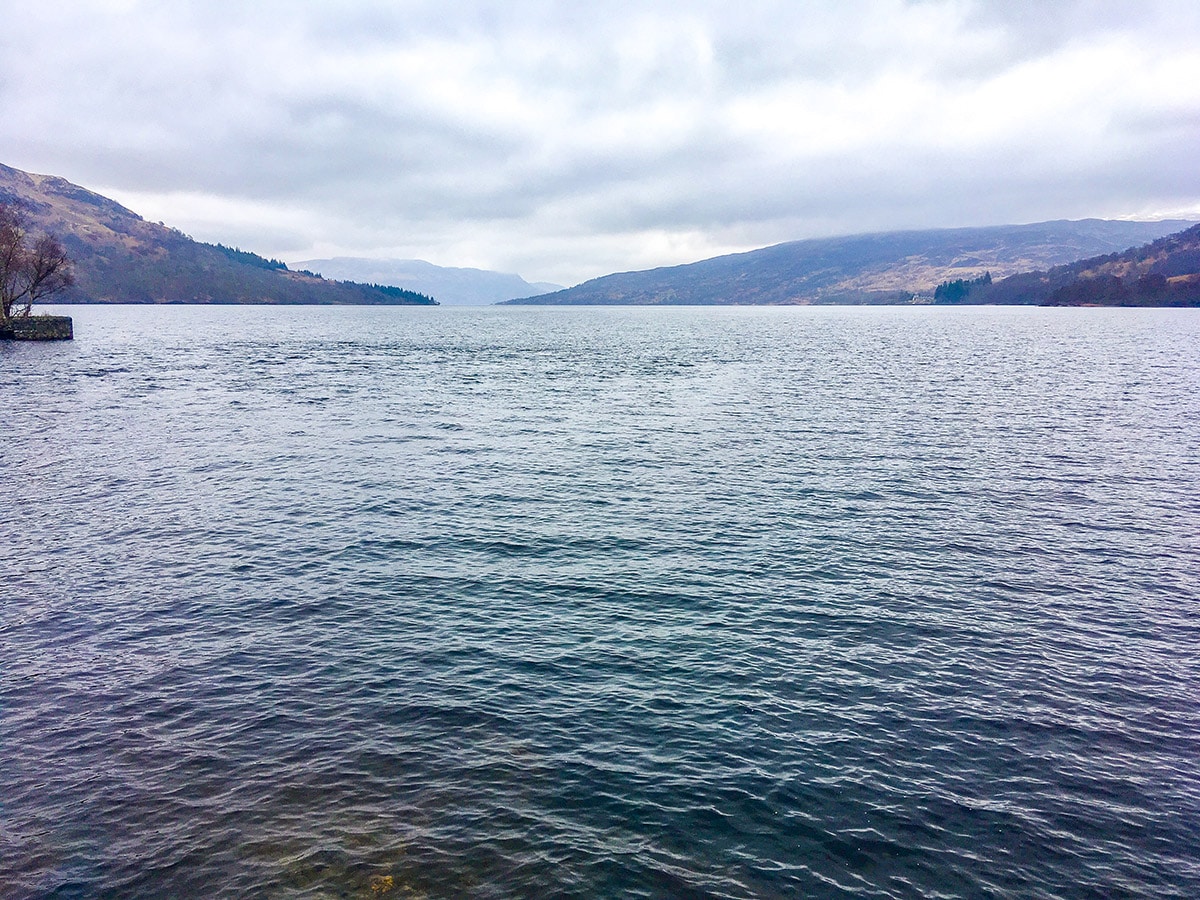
[[121, 258], [867, 268], [452, 286], [1165, 272]]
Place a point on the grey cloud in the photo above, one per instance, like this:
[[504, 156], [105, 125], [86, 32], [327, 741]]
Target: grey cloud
[[543, 137]]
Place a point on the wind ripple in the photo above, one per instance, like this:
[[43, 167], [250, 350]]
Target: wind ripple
[[647, 603]]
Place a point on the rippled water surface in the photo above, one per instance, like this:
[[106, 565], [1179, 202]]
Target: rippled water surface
[[602, 602]]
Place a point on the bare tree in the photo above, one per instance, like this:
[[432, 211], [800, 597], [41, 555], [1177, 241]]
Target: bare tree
[[30, 269], [12, 242]]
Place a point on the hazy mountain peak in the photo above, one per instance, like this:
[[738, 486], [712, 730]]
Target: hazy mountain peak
[[451, 285]]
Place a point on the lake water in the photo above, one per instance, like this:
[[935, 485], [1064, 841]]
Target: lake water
[[689, 602]]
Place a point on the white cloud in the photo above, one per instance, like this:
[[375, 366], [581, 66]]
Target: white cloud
[[564, 141]]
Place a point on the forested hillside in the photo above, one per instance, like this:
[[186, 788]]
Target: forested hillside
[[1165, 272]]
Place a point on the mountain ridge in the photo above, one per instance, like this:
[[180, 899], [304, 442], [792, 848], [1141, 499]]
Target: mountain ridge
[[883, 267], [119, 257]]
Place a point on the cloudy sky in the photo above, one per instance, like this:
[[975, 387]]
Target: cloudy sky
[[568, 140]]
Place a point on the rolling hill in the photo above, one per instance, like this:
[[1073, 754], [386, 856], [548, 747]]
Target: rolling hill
[[869, 268], [121, 258]]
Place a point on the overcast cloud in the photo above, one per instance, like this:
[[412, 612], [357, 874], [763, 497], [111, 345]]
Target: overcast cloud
[[564, 141]]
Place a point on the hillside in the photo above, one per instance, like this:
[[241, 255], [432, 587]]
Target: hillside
[[121, 258], [451, 285], [870, 268], [1165, 272]]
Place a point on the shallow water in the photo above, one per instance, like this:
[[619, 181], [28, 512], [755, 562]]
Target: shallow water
[[830, 602]]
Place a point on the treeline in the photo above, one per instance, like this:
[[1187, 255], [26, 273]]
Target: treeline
[[1109, 290], [401, 294], [959, 289], [250, 259]]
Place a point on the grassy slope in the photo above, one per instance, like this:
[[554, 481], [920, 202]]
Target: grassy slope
[[121, 258]]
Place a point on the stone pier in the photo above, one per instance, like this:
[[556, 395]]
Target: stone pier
[[37, 328]]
